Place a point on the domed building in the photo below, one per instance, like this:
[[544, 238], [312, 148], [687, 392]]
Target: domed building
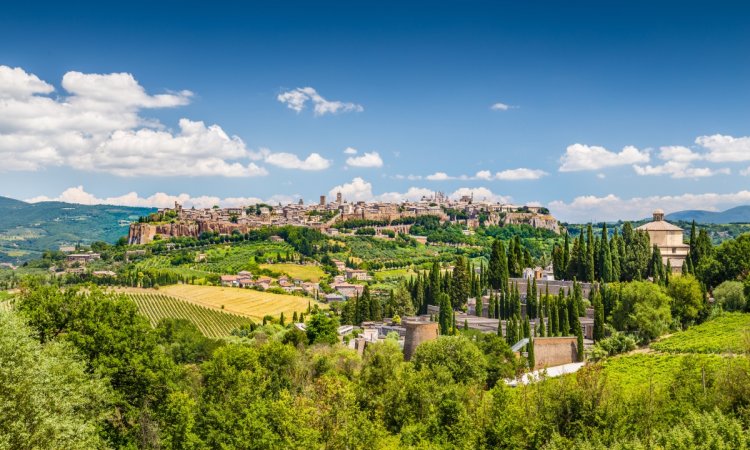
[[668, 238]]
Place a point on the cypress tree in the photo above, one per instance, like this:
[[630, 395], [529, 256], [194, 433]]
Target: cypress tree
[[562, 316], [614, 250], [498, 269], [526, 328], [598, 316], [281, 319], [466, 325], [444, 318], [530, 352], [491, 306], [579, 342], [542, 328], [294, 317], [553, 322], [460, 285], [606, 257], [566, 253], [590, 248], [531, 300]]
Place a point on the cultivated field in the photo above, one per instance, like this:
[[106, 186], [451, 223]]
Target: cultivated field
[[724, 334], [634, 371], [302, 272], [247, 302], [210, 322]]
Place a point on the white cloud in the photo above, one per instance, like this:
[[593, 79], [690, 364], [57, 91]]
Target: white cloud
[[500, 107], [480, 193], [291, 161], [520, 174], [356, 190], [297, 99], [745, 172], [97, 126], [611, 207], [725, 148], [413, 194], [678, 153], [16, 83], [483, 175], [439, 176], [371, 159], [350, 151], [158, 200], [677, 169], [584, 157]]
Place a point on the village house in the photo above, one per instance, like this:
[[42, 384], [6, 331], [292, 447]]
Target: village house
[[82, 258], [357, 274]]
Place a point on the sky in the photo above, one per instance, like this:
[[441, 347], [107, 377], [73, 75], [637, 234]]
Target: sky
[[599, 110]]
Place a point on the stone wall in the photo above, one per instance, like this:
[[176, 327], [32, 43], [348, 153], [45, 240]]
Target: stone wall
[[554, 351], [143, 233]]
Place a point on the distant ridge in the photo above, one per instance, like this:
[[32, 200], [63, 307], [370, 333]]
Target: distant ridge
[[27, 229], [738, 214]]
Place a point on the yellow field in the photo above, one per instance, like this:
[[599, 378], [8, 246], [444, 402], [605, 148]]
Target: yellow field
[[304, 272], [247, 302]]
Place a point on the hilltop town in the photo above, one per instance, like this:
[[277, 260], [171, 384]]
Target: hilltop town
[[325, 215]]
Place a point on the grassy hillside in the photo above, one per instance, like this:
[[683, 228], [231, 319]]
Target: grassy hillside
[[27, 229], [210, 322], [727, 333]]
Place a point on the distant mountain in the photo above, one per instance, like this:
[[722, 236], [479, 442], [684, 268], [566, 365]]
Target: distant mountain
[[26, 229], [738, 214]]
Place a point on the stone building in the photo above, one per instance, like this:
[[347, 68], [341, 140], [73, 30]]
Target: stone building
[[668, 239]]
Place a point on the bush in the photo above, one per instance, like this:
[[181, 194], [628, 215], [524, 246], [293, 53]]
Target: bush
[[731, 296], [613, 345]]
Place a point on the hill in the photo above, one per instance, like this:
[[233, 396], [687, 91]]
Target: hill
[[27, 229], [738, 214]]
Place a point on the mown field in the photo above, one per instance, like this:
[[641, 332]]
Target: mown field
[[247, 302], [210, 322], [724, 334], [302, 272]]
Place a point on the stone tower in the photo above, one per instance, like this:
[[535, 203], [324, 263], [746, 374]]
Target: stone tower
[[418, 331]]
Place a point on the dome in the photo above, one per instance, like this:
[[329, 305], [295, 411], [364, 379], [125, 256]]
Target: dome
[[658, 211]]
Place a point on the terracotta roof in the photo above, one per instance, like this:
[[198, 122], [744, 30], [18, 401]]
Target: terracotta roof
[[660, 225]]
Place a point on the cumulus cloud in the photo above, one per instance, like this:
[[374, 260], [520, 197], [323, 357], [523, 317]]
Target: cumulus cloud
[[356, 190], [677, 169], [367, 159], [412, 194], [79, 195], [485, 175], [480, 193], [350, 151], [291, 161], [611, 207], [500, 107], [520, 174], [297, 99], [439, 176], [580, 157], [96, 125], [725, 148], [678, 164]]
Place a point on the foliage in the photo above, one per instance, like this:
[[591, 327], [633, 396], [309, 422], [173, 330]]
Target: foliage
[[725, 333], [47, 396], [643, 309], [687, 299], [730, 295]]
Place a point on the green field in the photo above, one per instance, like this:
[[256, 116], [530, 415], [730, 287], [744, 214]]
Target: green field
[[210, 322], [724, 334], [636, 370]]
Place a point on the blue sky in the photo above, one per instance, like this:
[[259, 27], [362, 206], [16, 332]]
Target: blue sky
[[604, 111]]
